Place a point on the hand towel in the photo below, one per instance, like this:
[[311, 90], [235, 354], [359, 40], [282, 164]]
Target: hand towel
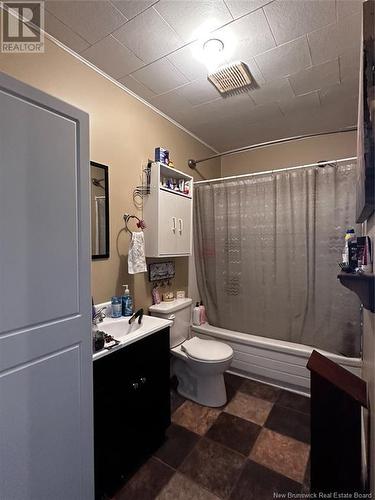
[[136, 256]]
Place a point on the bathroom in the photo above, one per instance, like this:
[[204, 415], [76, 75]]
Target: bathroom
[[159, 416]]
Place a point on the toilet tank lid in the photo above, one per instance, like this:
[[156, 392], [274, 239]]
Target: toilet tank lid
[[170, 307]]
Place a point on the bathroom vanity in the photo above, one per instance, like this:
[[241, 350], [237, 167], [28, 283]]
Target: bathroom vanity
[[131, 400]]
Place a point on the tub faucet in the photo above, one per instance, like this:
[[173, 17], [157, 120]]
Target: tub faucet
[[138, 314]]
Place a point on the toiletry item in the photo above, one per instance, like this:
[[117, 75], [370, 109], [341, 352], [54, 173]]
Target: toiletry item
[[162, 155], [170, 163], [93, 310], [196, 315], [116, 307], [180, 294], [155, 295], [127, 302], [350, 251], [364, 254], [187, 187], [202, 314]]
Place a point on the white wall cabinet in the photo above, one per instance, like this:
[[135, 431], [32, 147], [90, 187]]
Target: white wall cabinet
[[168, 215]]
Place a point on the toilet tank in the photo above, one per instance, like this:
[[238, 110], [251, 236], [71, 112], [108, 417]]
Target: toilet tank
[[179, 311]]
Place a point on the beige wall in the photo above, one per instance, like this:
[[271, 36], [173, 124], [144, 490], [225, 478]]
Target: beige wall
[[369, 365], [123, 135], [291, 154]]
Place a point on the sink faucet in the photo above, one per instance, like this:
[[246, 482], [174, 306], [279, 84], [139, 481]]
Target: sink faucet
[[99, 315], [138, 314]]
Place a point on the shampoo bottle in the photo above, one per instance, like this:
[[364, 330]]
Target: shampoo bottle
[[127, 302], [202, 314], [196, 315]]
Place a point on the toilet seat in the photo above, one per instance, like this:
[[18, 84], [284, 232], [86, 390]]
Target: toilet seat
[[206, 351]]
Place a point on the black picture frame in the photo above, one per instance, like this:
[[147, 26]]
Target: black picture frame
[[106, 253], [366, 118]]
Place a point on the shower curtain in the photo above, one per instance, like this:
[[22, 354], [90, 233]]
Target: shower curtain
[[267, 249]]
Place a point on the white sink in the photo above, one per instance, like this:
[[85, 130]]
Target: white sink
[[120, 329]]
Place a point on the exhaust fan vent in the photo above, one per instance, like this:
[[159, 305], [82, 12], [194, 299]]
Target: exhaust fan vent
[[232, 78]]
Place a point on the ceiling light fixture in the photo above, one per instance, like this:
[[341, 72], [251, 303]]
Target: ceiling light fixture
[[213, 47]]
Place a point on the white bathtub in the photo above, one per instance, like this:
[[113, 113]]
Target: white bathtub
[[276, 362]]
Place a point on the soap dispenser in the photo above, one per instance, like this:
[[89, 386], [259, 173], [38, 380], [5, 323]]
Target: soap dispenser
[[127, 302]]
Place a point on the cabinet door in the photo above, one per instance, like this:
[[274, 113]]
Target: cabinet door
[[183, 214], [167, 223]]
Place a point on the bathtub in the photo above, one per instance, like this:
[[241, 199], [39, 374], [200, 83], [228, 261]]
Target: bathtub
[[276, 362]]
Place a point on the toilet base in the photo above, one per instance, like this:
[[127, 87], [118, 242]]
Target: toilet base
[[203, 388]]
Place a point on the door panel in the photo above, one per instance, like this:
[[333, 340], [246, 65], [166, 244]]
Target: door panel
[[46, 413], [183, 213], [167, 223]]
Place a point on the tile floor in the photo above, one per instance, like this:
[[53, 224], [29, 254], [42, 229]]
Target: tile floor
[[256, 445]]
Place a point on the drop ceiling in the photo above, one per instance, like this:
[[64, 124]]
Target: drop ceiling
[[303, 55]]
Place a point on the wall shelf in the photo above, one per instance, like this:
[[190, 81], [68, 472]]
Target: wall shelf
[[362, 285]]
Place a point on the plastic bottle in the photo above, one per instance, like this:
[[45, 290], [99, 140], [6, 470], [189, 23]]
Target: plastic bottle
[[116, 307], [202, 314], [196, 315], [127, 302]]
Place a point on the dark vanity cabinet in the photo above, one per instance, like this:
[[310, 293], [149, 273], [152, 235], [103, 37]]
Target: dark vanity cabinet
[[131, 408]]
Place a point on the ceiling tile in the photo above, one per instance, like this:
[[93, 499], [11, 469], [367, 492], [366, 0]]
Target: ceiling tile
[[290, 19], [160, 76], [337, 95], [251, 34], [112, 57], [265, 113], [63, 33], [148, 36], [199, 91], [300, 104], [316, 77], [347, 8], [349, 64], [235, 108], [184, 61], [92, 20], [241, 7], [131, 8], [284, 60], [173, 105], [333, 40], [277, 90], [137, 87], [188, 18]]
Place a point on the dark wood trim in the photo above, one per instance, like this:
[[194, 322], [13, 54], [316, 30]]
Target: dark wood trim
[[362, 285], [344, 380]]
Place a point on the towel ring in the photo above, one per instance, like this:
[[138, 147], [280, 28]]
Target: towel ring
[[140, 224]]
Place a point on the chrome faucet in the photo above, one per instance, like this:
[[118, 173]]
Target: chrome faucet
[[138, 314], [99, 315]]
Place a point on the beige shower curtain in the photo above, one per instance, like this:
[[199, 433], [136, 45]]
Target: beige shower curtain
[[267, 249]]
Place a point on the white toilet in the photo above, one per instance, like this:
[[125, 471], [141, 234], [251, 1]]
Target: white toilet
[[198, 364]]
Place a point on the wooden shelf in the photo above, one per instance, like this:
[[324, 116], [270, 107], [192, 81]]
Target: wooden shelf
[[175, 192], [362, 285]]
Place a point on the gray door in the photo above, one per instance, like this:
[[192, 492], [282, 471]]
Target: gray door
[[46, 405]]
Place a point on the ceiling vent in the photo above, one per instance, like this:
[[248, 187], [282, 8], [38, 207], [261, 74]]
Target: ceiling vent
[[232, 79]]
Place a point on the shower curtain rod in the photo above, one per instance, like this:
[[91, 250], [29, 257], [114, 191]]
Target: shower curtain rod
[[193, 163], [319, 164]]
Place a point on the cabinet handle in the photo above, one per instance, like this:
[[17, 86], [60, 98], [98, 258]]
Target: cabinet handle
[[174, 224], [181, 225]]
